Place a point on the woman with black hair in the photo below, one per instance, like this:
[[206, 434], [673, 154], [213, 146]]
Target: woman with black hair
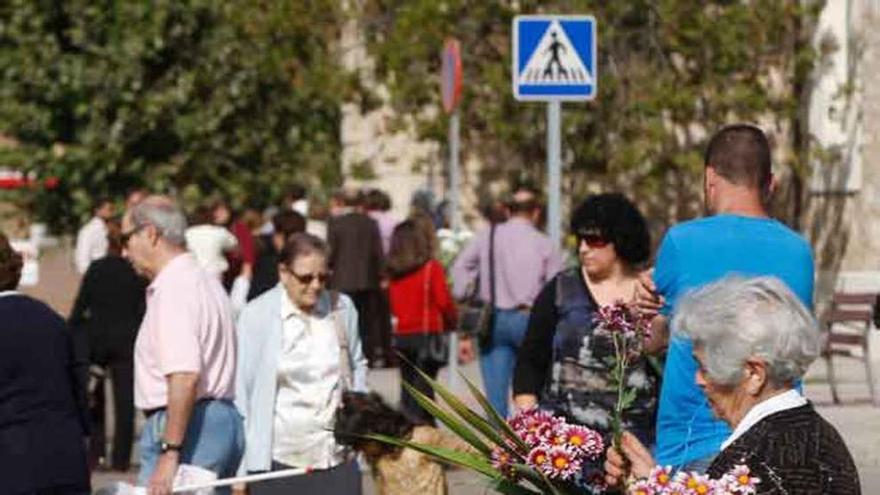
[[396, 471], [562, 366]]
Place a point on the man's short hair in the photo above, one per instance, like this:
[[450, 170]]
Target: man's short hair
[[741, 154], [288, 222], [523, 199]]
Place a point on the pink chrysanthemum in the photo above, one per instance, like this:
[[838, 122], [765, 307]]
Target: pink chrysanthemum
[[503, 460], [538, 458], [563, 463], [585, 440], [661, 476], [742, 481], [698, 484], [641, 487], [535, 426]]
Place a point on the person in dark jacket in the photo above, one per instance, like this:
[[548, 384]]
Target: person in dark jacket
[[107, 313], [43, 417], [356, 261], [284, 224], [753, 340]]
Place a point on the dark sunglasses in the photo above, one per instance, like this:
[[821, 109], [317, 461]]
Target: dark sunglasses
[[126, 236], [593, 240], [308, 278]]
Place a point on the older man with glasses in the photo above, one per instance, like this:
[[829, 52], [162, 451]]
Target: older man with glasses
[[184, 354]]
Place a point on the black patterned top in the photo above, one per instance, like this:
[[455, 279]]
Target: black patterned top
[[568, 366], [793, 452]]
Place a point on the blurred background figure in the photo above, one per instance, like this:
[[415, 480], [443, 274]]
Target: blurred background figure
[[241, 259], [107, 313], [524, 260], [91, 241], [284, 224], [423, 309], [356, 263], [209, 242], [316, 223], [134, 196], [43, 416], [378, 206], [296, 199]]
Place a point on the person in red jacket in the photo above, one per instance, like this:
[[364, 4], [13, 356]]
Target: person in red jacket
[[423, 309]]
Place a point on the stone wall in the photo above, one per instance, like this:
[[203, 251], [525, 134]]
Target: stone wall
[[843, 220]]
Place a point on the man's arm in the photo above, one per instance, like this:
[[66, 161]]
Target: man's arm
[[659, 339], [182, 388], [466, 267]]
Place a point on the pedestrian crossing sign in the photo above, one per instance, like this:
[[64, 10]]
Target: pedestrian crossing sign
[[554, 58]]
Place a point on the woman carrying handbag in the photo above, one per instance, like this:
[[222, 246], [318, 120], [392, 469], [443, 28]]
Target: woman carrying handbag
[[423, 309]]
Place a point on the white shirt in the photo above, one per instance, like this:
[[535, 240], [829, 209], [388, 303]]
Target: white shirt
[[309, 390], [773, 405], [91, 243], [209, 243]]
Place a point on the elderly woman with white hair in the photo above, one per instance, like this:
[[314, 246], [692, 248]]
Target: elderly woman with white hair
[[754, 340]]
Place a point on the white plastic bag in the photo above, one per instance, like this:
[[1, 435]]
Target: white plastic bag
[[187, 475]]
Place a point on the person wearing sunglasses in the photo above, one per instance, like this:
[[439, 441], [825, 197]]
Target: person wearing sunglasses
[[562, 366], [299, 349]]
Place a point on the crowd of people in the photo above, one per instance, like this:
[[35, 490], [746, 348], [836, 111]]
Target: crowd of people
[[246, 339]]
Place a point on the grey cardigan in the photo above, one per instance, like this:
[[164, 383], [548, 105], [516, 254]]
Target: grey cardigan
[[259, 341]]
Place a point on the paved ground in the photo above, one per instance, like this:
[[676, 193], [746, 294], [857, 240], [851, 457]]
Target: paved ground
[[857, 421]]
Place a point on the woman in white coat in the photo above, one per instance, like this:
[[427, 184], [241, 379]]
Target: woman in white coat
[[298, 351]]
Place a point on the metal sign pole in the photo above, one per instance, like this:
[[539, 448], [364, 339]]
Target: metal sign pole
[[454, 131], [554, 172], [455, 223]]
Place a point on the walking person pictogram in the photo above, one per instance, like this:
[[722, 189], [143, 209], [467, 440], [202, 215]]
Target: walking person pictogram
[[555, 47]]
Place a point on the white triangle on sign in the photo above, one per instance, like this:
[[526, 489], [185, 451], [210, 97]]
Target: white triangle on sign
[[555, 61]]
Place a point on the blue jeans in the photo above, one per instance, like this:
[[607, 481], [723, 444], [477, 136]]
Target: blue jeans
[[214, 439], [497, 362]]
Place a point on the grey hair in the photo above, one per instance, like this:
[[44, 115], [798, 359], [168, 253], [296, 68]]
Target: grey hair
[[163, 213], [737, 318]]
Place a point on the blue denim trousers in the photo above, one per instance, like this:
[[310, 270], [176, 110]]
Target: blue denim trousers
[[497, 362], [214, 439]]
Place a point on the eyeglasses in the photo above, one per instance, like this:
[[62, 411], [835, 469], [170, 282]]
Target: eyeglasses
[[126, 236], [308, 278], [593, 240]]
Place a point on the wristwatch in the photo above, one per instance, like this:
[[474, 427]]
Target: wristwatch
[[168, 446]]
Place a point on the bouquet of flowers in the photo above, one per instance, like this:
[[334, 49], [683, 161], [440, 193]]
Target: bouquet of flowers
[[533, 452], [628, 331], [451, 243], [662, 481]]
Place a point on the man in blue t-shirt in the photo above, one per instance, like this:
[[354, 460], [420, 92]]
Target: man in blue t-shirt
[[739, 237]]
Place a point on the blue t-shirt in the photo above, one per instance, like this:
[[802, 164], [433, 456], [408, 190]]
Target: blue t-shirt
[[691, 255]]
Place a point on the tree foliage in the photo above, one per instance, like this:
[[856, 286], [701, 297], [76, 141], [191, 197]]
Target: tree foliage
[[239, 97], [670, 71]]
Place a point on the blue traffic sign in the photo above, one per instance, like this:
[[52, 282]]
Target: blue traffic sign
[[554, 57]]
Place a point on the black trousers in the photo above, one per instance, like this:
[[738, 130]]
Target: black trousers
[[374, 323], [344, 479], [121, 375], [408, 346]]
